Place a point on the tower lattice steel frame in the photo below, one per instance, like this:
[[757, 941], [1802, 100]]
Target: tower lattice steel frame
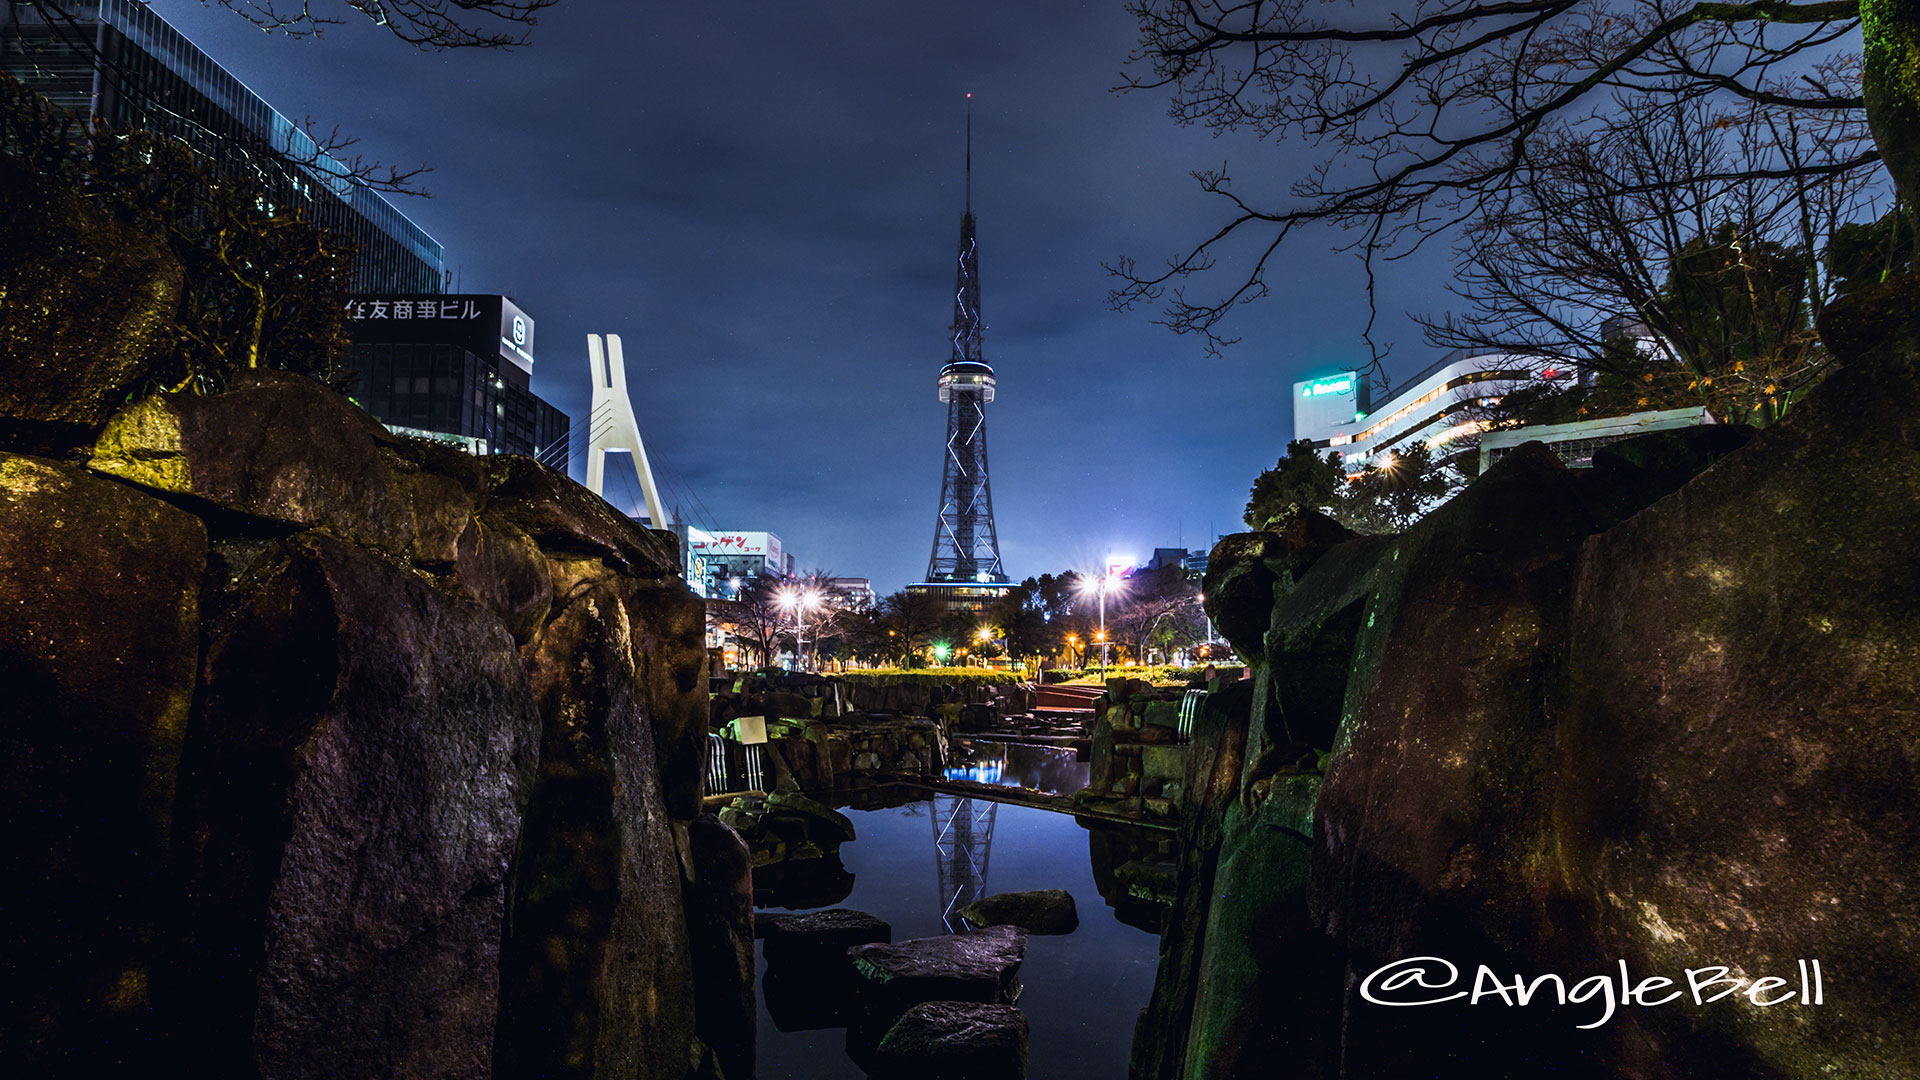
[[965, 545], [962, 850]]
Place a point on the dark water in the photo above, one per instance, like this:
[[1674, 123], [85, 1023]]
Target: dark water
[[1081, 991], [1042, 768]]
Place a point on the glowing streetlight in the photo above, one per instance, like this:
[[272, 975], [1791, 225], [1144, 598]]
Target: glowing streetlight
[[1108, 582], [798, 601]]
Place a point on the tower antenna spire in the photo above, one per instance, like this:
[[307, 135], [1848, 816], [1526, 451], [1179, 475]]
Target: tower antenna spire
[[966, 549]]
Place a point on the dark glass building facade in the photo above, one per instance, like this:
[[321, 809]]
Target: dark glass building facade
[[455, 367], [121, 65]]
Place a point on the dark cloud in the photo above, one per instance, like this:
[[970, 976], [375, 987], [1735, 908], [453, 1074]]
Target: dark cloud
[[763, 200]]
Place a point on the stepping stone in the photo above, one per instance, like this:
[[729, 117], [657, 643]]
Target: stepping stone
[[954, 1040], [1041, 911], [810, 981], [818, 935], [978, 967]]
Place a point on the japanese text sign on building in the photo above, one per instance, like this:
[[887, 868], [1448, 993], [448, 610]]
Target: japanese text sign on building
[[457, 308]]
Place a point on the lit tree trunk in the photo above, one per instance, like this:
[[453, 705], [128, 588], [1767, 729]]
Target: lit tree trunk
[[258, 329], [1890, 33]]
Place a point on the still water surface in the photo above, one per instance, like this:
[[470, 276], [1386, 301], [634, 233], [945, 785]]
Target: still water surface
[[1082, 990], [1042, 768]]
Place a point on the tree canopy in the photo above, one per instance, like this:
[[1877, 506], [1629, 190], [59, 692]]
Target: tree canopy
[[1300, 480], [1427, 114]]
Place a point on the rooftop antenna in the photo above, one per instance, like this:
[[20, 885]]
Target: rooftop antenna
[[969, 151]]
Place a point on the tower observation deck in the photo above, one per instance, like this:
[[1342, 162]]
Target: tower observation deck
[[965, 546]]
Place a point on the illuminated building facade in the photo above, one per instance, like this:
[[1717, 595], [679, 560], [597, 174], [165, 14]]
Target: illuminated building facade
[[1435, 407], [121, 65], [730, 559], [455, 367]]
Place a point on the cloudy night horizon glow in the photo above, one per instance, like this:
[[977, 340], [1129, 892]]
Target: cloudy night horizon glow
[[764, 203]]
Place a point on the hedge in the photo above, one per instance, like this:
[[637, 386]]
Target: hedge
[[933, 677]]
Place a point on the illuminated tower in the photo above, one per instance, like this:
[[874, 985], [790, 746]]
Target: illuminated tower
[[965, 546]]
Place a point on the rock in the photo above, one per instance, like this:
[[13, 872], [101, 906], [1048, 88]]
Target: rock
[[814, 937], [570, 522], [100, 596], [349, 803], [88, 304], [810, 981], [500, 568], [667, 625], [954, 1040], [595, 964], [1042, 911], [1148, 879], [830, 825], [978, 967], [1749, 659], [720, 930], [283, 450]]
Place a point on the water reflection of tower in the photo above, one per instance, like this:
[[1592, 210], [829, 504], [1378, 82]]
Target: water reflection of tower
[[962, 846]]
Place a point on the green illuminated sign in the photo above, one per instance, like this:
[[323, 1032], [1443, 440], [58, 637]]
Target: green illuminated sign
[[1342, 384]]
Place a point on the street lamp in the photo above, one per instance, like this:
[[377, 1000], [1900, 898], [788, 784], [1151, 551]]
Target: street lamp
[[798, 601], [1107, 582]]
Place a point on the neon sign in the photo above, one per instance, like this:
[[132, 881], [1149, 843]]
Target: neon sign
[[1342, 384]]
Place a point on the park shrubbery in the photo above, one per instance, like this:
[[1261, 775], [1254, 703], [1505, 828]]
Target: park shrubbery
[[934, 676], [1158, 674]]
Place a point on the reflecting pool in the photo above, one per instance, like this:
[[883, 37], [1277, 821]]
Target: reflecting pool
[[1043, 768], [1081, 991]]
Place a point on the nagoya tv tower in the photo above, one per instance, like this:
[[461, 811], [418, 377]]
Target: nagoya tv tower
[[965, 546]]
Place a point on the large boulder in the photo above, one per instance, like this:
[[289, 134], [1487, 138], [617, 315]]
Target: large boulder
[[282, 451], [954, 1040], [99, 644], [1041, 911], [1739, 755], [350, 801], [595, 961], [720, 929], [570, 522]]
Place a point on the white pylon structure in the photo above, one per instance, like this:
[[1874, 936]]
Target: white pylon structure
[[613, 427]]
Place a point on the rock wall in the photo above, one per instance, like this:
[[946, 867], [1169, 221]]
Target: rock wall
[[341, 754], [1660, 712]]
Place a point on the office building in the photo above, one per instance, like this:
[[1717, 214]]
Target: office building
[[121, 65], [1435, 406], [729, 560], [457, 367], [850, 594]]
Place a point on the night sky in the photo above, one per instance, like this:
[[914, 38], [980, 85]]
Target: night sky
[[763, 200]]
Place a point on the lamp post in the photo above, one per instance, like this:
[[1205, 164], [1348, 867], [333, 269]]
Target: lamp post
[[798, 601], [1100, 586], [1106, 585]]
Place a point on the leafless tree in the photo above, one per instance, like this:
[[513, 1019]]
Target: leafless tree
[[325, 153], [1433, 112], [1673, 224], [426, 24]]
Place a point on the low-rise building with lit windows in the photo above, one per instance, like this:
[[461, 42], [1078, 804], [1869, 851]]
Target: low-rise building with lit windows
[[1436, 406]]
